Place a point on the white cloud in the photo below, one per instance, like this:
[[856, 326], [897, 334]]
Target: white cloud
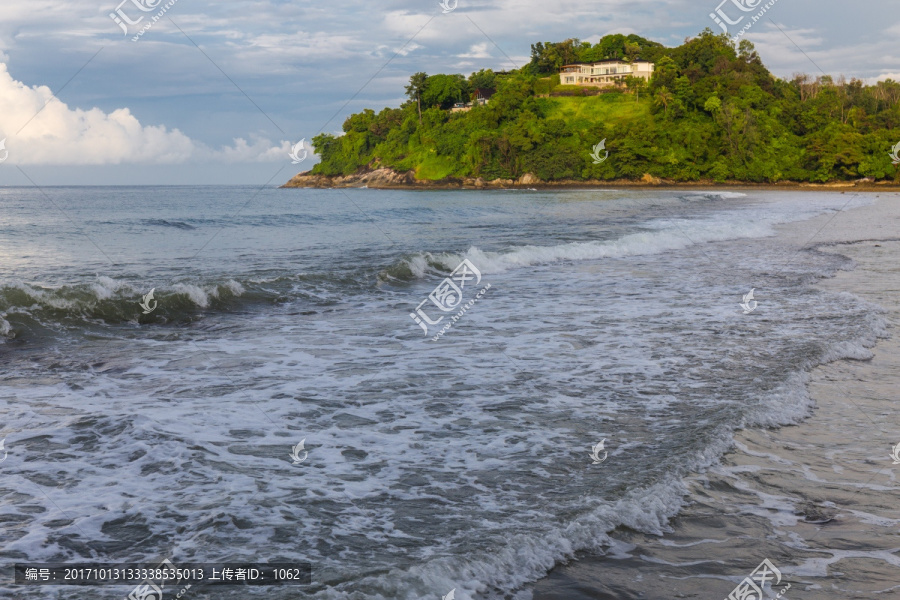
[[42, 130], [261, 150], [478, 51]]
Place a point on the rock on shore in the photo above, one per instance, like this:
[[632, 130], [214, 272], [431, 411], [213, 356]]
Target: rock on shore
[[385, 178], [374, 179], [388, 178]]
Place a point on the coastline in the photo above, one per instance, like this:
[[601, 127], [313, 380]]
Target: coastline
[[388, 179], [816, 498]]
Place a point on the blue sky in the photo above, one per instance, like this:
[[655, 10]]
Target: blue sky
[[267, 73]]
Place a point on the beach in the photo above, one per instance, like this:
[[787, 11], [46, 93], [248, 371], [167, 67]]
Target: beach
[[818, 499]]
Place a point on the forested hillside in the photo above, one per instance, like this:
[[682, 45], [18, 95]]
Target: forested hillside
[[711, 112]]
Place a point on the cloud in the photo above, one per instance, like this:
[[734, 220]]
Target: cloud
[[40, 129], [261, 150], [787, 51], [478, 51]]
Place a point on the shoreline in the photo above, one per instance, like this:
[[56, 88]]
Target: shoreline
[[388, 179], [815, 498]]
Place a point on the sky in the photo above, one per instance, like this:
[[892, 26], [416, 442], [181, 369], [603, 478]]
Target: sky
[[217, 92]]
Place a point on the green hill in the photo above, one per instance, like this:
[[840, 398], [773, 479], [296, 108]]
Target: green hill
[[711, 112]]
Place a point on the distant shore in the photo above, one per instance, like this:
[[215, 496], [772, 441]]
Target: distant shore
[[389, 179]]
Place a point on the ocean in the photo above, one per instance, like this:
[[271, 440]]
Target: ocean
[[462, 461]]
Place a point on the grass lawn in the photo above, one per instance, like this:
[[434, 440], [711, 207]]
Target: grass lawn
[[584, 112]]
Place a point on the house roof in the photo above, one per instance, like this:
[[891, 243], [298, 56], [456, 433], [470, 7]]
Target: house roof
[[607, 61]]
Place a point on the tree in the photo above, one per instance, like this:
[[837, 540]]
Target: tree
[[664, 97], [747, 51], [484, 79], [664, 74], [415, 89], [632, 51], [635, 84], [712, 105], [444, 90]]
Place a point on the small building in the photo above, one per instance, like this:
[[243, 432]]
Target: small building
[[480, 97], [604, 73]]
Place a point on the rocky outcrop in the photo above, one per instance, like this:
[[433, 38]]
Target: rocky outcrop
[[379, 178], [388, 178], [385, 178]]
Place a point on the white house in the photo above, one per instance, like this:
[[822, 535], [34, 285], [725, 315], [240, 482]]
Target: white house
[[605, 72]]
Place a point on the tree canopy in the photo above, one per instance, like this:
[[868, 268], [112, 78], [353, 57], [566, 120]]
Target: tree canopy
[[711, 111]]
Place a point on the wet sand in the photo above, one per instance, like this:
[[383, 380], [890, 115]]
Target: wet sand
[[821, 499]]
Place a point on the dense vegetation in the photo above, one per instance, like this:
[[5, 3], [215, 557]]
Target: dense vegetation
[[712, 111]]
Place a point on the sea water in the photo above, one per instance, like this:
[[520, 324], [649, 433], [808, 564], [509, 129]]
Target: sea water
[[462, 462]]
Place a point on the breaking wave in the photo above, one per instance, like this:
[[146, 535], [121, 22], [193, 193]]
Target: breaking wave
[[655, 237], [106, 301]]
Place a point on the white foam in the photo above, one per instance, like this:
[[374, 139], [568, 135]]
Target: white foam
[[195, 293], [662, 235], [719, 194], [234, 287], [106, 287]]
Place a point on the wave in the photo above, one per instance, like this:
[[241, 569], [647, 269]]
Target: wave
[[30, 309], [715, 194], [500, 572], [658, 237], [106, 301], [164, 223], [527, 557], [655, 237]]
